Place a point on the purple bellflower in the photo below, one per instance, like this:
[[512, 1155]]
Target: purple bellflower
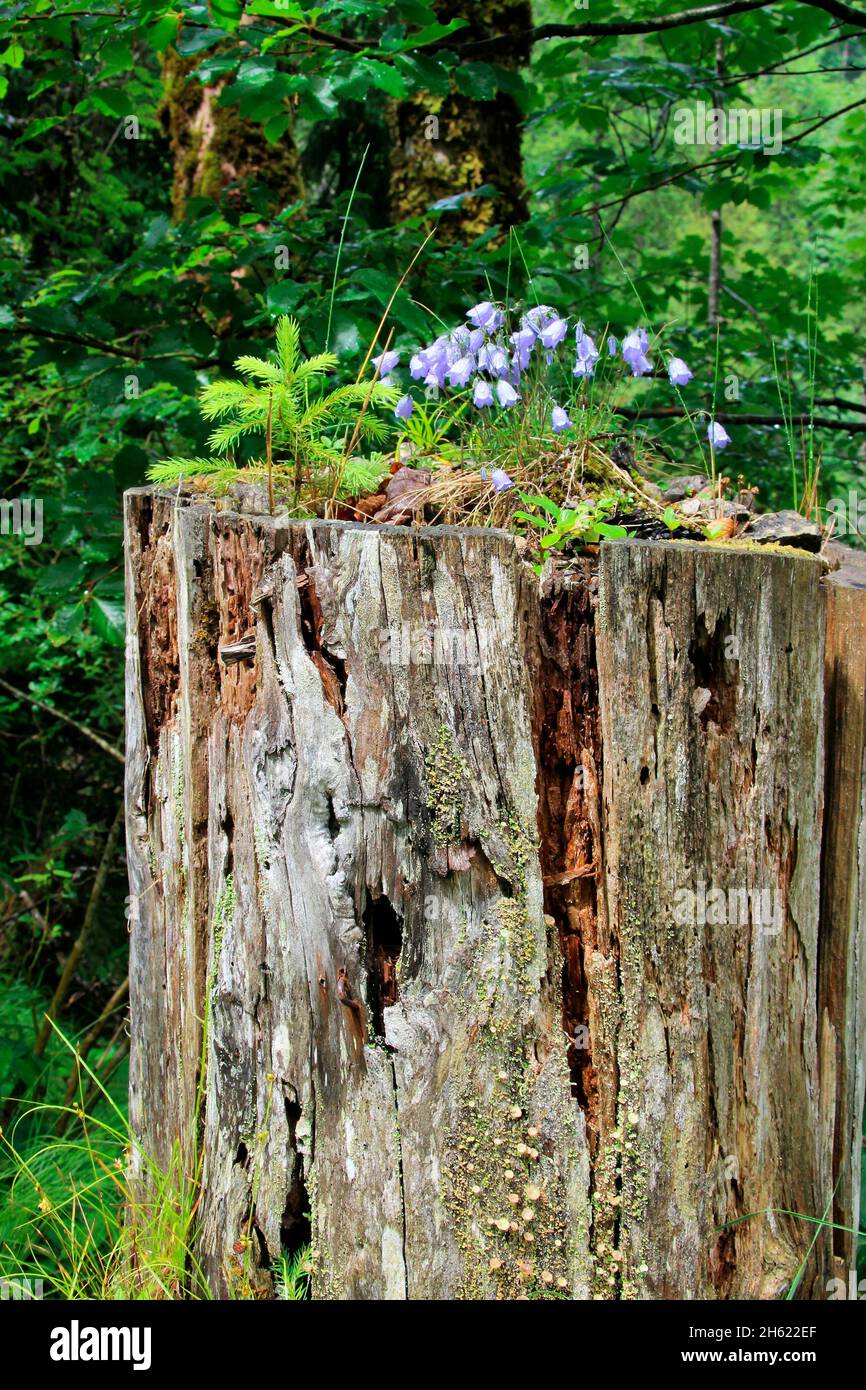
[[634, 349], [678, 372], [506, 394], [587, 352], [497, 361], [385, 363], [537, 318], [461, 371], [553, 333], [718, 435], [485, 315]]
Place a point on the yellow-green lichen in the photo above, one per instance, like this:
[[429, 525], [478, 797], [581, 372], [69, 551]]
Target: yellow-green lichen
[[446, 776], [506, 1202], [620, 1170], [521, 845], [223, 911]]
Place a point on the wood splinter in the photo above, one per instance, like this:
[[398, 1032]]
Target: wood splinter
[[243, 650], [345, 992]]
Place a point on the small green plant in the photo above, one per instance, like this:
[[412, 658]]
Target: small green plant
[[292, 1281], [307, 433], [582, 524], [427, 430]]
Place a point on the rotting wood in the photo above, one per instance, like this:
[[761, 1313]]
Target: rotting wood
[[843, 887], [712, 858], [417, 865], [364, 808]]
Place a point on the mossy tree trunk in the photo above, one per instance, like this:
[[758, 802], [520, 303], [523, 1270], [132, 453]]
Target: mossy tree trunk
[[499, 907], [444, 145], [213, 146]]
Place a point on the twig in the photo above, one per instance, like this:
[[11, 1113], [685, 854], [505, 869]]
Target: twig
[[673, 412], [58, 714], [340, 247], [654, 24], [64, 984], [347, 452], [397, 288], [85, 1047], [718, 161], [269, 450], [98, 1087]]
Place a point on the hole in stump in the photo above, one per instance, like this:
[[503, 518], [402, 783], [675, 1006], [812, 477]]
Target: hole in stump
[[295, 1230], [715, 679], [384, 933]]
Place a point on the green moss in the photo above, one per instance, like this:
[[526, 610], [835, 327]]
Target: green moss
[[223, 911], [518, 938], [743, 545], [214, 145], [507, 1201], [323, 1284], [177, 774], [263, 864], [447, 777], [521, 849]]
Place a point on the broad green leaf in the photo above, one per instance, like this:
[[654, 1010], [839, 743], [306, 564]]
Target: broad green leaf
[[108, 619]]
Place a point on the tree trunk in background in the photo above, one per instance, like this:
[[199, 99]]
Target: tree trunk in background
[[474, 142], [214, 146], [500, 905]]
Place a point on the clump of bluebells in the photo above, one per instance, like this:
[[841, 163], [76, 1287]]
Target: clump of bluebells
[[525, 369]]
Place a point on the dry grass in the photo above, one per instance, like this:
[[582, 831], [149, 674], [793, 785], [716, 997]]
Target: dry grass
[[578, 472]]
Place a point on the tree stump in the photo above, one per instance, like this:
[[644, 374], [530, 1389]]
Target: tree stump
[[497, 938]]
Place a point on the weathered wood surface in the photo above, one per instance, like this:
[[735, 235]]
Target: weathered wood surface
[[371, 813], [710, 668], [843, 885], [407, 882]]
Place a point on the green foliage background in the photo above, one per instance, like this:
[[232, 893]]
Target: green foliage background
[[113, 315]]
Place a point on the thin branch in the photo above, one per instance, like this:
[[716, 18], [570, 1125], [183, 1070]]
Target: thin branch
[[64, 984], [84, 340], [674, 412], [98, 1087], [80, 339], [843, 110], [738, 298], [719, 162], [592, 29], [840, 404], [335, 40], [781, 62], [714, 284], [73, 723], [815, 72], [656, 24], [269, 446], [86, 1046]]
